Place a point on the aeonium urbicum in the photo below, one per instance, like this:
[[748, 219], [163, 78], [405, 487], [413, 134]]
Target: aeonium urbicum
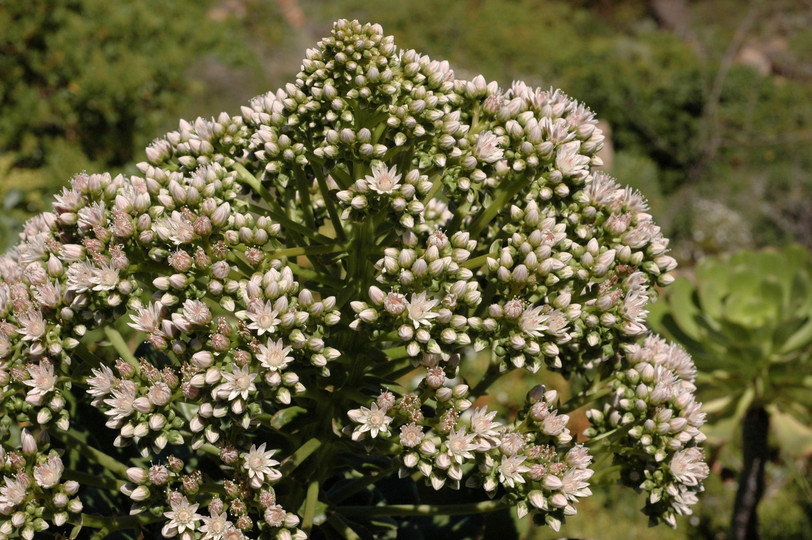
[[241, 313]]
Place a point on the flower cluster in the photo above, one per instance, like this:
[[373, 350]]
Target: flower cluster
[[653, 404], [33, 494], [249, 292]]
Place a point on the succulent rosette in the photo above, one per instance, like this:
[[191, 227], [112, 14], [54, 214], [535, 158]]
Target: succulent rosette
[[240, 315]]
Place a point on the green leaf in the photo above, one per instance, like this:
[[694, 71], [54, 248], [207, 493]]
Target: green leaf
[[794, 438], [286, 416]]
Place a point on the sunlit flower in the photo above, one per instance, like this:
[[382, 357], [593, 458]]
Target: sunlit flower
[[372, 420], [419, 309], [48, 474], [259, 464], [263, 318], [274, 356], [183, 517], [383, 179], [41, 382], [511, 470]]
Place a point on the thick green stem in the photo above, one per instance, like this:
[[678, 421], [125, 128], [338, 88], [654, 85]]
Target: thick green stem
[[101, 482], [121, 347], [115, 523], [424, 509], [301, 454], [310, 506], [580, 400], [505, 192], [108, 462]]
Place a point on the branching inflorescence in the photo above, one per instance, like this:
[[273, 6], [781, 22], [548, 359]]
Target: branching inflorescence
[[243, 311]]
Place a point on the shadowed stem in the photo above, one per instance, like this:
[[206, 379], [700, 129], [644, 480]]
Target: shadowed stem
[[424, 509]]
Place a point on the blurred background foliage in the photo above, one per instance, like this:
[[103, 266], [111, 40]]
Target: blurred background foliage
[[708, 104]]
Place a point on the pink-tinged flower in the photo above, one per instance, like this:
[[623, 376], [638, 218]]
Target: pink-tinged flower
[[41, 382], [574, 483], [395, 303], [411, 435], [104, 277], [383, 179], [459, 445], [240, 382], [175, 229], [102, 381], [569, 161], [122, 401], [275, 355], [263, 318], [532, 322], [419, 309], [33, 326], [146, 319], [183, 517], [373, 420], [688, 466], [80, 277], [48, 474], [215, 526], [259, 465], [511, 470], [13, 493], [483, 426], [487, 147], [196, 312]]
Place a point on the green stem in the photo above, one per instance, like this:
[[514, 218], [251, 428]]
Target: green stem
[[252, 181], [584, 399], [94, 480], [108, 462], [476, 262], [354, 486], [310, 506], [304, 195], [301, 454], [341, 527], [115, 523], [503, 195], [424, 509], [121, 347]]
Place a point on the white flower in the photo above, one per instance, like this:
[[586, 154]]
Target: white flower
[[176, 229], [688, 466], [574, 483], [104, 278], [48, 474], [275, 355], [102, 382], [459, 445], [258, 463], [240, 382], [183, 517], [215, 526], [13, 493], [511, 470], [147, 319], [122, 401], [419, 309], [371, 419], [532, 322], [411, 435], [569, 161], [487, 147], [196, 312], [34, 326], [263, 318], [383, 179], [41, 382], [483, 426], [395, 303]]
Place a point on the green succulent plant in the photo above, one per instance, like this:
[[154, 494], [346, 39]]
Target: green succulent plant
[[747, 321]]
